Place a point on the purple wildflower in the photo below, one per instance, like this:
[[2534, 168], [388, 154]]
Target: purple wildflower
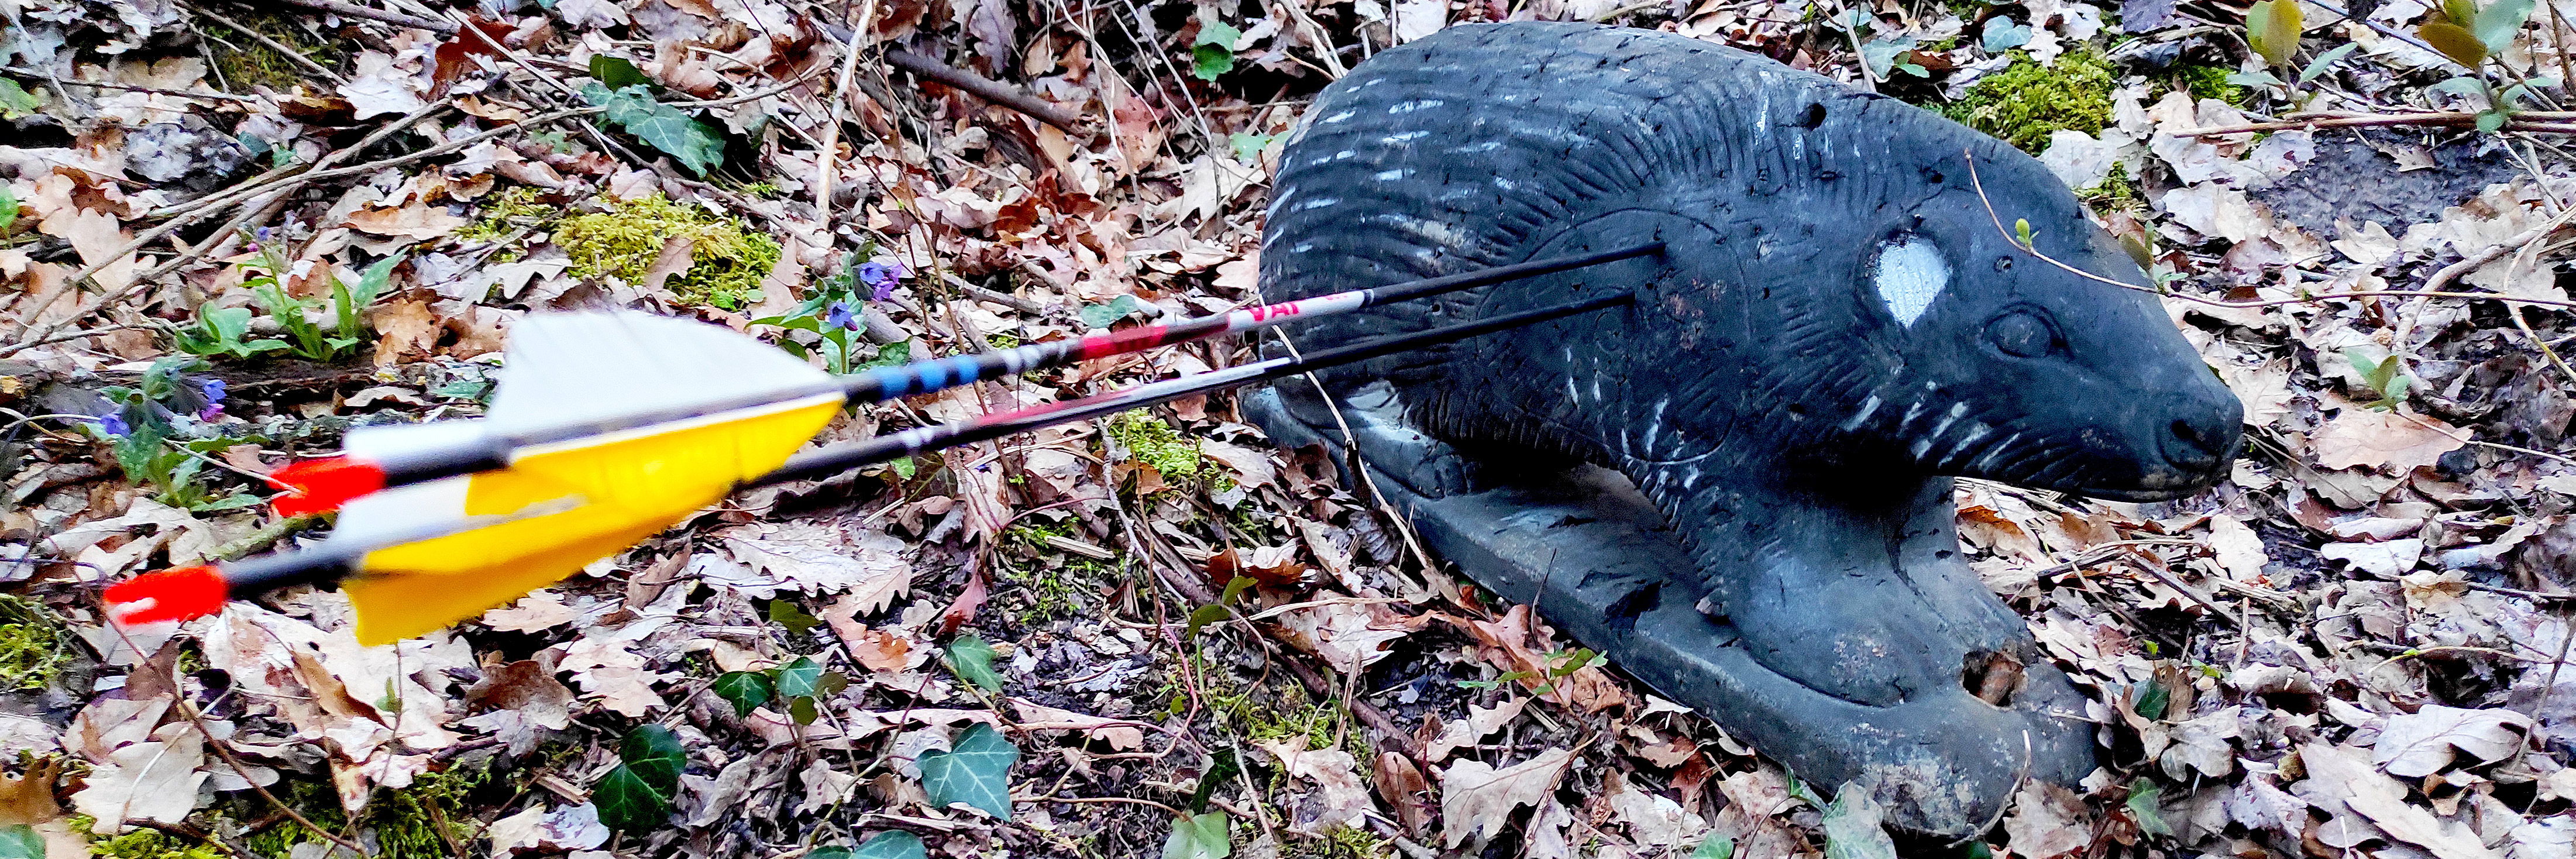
[[840, 316], [214, 391], [882, 277], [114, 426]]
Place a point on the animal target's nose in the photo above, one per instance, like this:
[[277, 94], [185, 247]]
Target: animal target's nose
[[2202, 443]]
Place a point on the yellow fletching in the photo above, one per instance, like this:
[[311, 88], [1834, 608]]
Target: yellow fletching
[[629, 485]]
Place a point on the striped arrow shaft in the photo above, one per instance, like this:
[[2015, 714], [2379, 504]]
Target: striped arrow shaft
[[921, 377], [334, 560]]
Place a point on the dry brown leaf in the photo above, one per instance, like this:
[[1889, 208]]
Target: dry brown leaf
[[1337, 800], [2420, 744], [1480, 722], [1477, 800], [2369, 438], [2047, 821], [2239, 550], [154, 780], [1401, 784], [1508, 644], [538, 611], [1120, 734], [2341, 778]]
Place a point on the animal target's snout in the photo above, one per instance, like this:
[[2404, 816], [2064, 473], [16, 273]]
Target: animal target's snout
[[2204, 441]]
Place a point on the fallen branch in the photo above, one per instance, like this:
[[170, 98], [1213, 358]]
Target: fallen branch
[[2534, 121], [996, 92]]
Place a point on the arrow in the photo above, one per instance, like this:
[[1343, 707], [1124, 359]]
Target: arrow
[[378, 459], [411, 562]]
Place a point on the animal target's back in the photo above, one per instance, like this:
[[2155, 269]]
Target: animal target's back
[[1835, 327]]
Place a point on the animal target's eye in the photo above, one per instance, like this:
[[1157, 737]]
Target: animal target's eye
[[2022, 333]]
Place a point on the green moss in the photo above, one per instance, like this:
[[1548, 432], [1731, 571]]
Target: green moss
[[1151, 441], [2211, 82], [404, 824], [145, 844], [504, 214], [727, 261], [1054, 583], [1342, 842], [2026, 101], [34, 645], [2117, 192], [242, 62]]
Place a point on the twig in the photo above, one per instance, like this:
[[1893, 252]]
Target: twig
[[272, 44], [827, 160], [993, 91], [354, 10], [222, 96], [1002, 298]]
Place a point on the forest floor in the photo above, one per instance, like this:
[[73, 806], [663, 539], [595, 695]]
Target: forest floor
[[234, 229]]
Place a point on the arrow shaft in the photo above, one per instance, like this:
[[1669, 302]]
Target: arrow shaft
[[923, 377], [333, 560]]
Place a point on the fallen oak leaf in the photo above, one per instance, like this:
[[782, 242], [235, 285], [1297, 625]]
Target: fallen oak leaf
[[1477, 799], [2421, 743]]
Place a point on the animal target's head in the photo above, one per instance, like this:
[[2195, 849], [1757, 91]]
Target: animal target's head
[[1988, 361]]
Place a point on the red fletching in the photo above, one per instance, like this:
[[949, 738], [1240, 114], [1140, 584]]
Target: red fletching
[[177, 594], [321, 485]]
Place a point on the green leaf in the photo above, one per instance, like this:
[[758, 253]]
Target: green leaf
[[803, 710], [895, 844], [975, 772], [2146, 803], [1102, 315], [1209, 62], [2152, 701], [2318, 66], [972, 659], [8, 208], [2021, 230], [2499, 21], [617, 73], [1247, 147], [746, 690], [2454, 41], [796, 678], [637, 795], [2272, 29], [1999, 35], [787, 613], [1202, 616], [697, 145], [1221, 766], [1852, 829], [1880, 55], [627, 804], [15, 101], [1716, 847], [21, 841], [655, 754], [1200, 836], [903, 468]]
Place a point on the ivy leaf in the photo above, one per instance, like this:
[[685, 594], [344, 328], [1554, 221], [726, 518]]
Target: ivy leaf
[[796, 678], [617, 72], [2001, 35], [1200, 836], [8, 208], [893, 844], [2146, 803], [975, 772], [2272, 29], [2454, 41], [1716, 847], [1852, 829], [697, 145], [744, 689], [972, 660], [1247, 147], [636, 796], [788, 614]]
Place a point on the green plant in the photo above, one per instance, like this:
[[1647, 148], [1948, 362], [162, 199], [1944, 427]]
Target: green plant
[[220, 331], [801, 682], [835, 312], [975, 770], [636, 796], [148, 447], [2385, 377], [1200, 836], [625, 97], [1212, 53], [2272, 30], [971, 658], [2027, 100], [34, 644], [1149, 440], [624, 238], [1560, 663]]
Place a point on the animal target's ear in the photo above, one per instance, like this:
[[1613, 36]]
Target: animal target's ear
[[1909, 272]]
